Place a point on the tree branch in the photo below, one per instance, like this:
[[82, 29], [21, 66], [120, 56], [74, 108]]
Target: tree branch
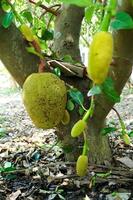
[[48, 9], [53, 6]]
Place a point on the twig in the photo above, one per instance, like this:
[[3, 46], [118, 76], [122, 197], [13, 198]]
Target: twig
[[53, 6], [117, 113], [120, 120], [86, 42], [48, 9]]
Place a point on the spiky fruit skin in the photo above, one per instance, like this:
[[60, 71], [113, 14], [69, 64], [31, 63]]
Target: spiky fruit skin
[[45, 96], [100, 56], [82, 165], [78, 128]]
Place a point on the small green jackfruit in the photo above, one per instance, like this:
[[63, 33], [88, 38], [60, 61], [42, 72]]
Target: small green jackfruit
[[66, 118], [27, 32], [78, 128], [45, 96], [82, 165], [126, 139]]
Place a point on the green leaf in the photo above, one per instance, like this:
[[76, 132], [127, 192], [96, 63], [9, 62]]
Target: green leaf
[[7, 19], [33, 51], [8, 167], [95, 90], [47, 35], [130, 134], [103, 175], [68, 58], [108, 130], [81, 3], [70, 105], [76, 96], [61, 197], [48, 1], [36, 156], [1, 169], [57, 71], [7, 164], [5, 6], [89, 13], [109, 90], [27, 15], [122, 21]]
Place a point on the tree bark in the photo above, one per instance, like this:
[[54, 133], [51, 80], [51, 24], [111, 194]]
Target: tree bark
[[20, 64], [67, 31]]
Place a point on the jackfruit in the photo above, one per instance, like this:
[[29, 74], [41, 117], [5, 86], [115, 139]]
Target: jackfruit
[[100, 56], [78, 128], [66, 118], [126, 139], [27, 32], [44, 96], [82, 165]]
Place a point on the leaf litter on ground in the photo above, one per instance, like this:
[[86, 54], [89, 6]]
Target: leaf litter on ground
[[33, 166]]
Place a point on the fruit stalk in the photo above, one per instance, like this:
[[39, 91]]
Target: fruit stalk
[[110, 10], [85, 147], [90, 110], [123, 127]]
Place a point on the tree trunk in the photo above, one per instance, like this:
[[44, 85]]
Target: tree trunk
[[69, 23], [99, 149], [20, 64], [67, 31]]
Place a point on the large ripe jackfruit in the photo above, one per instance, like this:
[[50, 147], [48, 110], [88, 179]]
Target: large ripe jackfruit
[[45, 96]]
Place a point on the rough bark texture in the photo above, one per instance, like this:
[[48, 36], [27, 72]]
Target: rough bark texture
[[21, 64], [67, 31]]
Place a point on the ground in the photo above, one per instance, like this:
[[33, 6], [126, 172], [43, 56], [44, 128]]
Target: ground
[[32, 163]]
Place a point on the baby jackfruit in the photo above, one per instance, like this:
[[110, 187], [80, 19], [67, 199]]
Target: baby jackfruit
[[78, 128], [100, 56], [82, 165], [27, 32], [126, 139], [45, 96], [66, 118]]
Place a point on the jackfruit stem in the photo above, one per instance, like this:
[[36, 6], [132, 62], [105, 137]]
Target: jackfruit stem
[[90, 110], [109, 13], [123, 127], [85, 147]]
